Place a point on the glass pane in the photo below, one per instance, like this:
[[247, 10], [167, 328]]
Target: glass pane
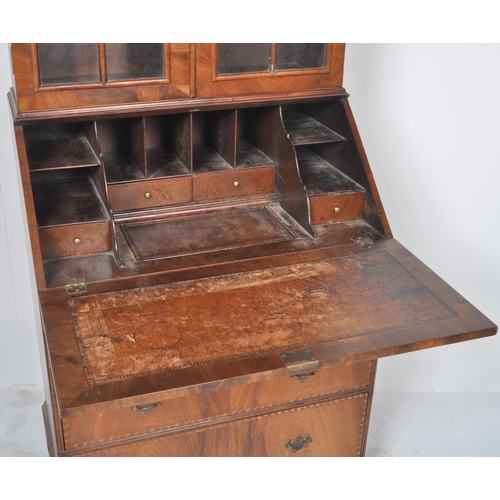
[[300, 55], [237, 58], [62, 63], [134, 61]]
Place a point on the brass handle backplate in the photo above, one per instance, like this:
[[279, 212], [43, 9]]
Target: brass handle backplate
[[145, 409], [299, 445]]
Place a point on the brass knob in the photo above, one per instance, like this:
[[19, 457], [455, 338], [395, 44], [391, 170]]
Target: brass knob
[[77, 241], [236, 184], [337, 210], [147, 195]]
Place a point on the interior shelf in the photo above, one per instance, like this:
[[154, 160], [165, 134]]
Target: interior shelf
[[322, 178], [248, 156], [206, 159], [306, 130], [167, 143], [66, 197], [120, 167], [164, 163], [59, 148]]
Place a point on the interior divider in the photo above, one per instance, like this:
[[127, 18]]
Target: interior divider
[[101, 184], [168, 145], [265, 129]]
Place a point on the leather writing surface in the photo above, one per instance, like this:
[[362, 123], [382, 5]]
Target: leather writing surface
[[132, 333]]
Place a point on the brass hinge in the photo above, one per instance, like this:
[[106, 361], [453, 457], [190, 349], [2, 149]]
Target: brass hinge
[[300, 364], [76, 285]]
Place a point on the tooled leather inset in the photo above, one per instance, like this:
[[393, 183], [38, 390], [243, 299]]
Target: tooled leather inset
[[139, 332]]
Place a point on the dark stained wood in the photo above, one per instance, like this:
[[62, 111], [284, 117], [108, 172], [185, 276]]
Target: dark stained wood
[[452, 320], [336, 207], [218, 221], [332, 240], [227, 184], [305, 130], [168, 144], [71, 215], [200, 234], [75, 239], [177, 106], [222, 128], [333, 196], [30, 207], [265, 129], [209, 84], [348, 156], [163, 163], [380, 222], [59, 147], [206, 159], [120, 167], [122, 145], [321, 178], [93, 424], [334, 428], [248, 156], [30, 97], [149, 193], [66, 197]]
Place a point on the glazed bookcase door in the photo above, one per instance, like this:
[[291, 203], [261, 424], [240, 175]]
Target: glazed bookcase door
[[65, 75], [239, 68]]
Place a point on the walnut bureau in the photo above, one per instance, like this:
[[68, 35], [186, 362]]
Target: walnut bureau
[[215, 270]]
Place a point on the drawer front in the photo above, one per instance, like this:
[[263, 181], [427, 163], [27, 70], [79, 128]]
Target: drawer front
[[78, 239], [168, 410], [149, 194], [337, 208], [231, 183], [332, 428]]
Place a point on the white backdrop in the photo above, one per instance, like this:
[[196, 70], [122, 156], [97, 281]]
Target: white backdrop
[[428, 117]]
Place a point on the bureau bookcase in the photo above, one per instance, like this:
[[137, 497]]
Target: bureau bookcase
[[215, 270]]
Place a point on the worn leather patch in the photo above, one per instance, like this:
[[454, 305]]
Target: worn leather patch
[[137, 332]]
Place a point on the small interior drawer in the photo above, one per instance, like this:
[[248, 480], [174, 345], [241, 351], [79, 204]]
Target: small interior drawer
[[75, 239], [231, 183], [337, 207], [332, 428], [149, 193], [168, 410]]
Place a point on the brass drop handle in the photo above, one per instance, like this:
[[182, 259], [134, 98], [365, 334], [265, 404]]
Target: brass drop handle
[[299, 445], [77, 241], [236, 184], [145, 409], [147, 195]]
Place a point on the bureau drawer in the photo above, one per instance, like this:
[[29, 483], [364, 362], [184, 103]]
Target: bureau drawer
[[167, 410], [337, 207], [75, 239], [332, 428], [230, 183], [149, 194]]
